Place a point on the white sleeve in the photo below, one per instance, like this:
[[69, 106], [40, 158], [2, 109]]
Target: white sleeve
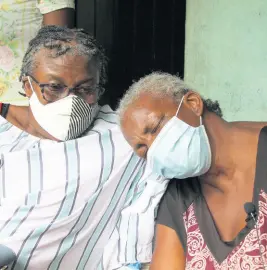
[[46, 6]]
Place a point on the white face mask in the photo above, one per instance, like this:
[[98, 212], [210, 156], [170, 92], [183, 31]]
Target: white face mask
[[180, 150], [64, 119]]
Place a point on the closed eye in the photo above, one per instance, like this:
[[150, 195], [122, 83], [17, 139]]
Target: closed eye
[[155, 129], [88, 89], [85, 89], [55, 87]]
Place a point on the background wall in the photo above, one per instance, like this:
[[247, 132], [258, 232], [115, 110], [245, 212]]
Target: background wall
[[226, 54]]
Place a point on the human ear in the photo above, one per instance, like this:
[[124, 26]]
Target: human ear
[[26, 86], [194, 102]]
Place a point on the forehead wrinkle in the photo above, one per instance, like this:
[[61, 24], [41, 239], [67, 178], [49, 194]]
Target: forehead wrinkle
[[67, 61], [152, 116], [62, 60], [141, 116], [62, 67], [130, 125]]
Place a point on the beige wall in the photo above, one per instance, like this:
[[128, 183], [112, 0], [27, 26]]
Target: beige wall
[[226, 54]]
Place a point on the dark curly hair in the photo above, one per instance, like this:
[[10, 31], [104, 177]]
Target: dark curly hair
[[60, 40]]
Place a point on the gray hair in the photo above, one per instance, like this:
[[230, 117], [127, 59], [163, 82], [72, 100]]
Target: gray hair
[[162, 84]]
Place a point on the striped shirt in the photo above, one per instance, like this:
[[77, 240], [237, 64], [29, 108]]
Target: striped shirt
[[88, 203]]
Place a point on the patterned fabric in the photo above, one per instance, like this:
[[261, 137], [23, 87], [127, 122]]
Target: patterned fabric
[[19, 23], [244, 256], [81, 117], [88, 203]]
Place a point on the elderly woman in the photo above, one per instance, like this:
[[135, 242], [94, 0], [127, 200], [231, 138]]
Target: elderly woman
[[63, 99], [220, 168], [71, 188]]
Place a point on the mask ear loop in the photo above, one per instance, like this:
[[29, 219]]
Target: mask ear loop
[[21, 93], [29, 80], [179, 106]]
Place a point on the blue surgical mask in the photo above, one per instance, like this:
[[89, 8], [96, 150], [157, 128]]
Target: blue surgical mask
[[180, 150]]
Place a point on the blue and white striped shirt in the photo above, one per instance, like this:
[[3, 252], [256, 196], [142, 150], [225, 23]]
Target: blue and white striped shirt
[[88, 203]]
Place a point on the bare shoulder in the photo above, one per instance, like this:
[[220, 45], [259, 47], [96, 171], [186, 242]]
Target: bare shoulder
[[250, 125]]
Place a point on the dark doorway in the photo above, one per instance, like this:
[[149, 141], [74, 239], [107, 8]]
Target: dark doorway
[[139, 36]]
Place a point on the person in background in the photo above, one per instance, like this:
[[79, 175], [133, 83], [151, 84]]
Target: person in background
[[214, 213], [19, 22], [73, 195]]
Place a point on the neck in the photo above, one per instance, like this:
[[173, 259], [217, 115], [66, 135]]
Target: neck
[[230, 143]]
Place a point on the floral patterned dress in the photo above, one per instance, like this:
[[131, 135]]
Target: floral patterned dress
[[19, 23]]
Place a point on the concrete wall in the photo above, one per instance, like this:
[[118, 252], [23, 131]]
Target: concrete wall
[[226, 54]]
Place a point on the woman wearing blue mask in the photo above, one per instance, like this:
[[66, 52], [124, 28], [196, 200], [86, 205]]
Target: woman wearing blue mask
[[218, 168]]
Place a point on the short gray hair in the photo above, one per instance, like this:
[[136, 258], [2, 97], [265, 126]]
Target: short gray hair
[[162, 84]]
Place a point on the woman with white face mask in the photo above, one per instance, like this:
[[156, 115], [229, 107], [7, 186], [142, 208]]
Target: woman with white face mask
[[218, 169], [62, 73], [69, 182]]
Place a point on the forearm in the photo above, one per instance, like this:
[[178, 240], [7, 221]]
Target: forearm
[[168, 253], [61, 17], [17, 115]]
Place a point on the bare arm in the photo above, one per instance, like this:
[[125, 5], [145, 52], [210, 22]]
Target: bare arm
[[18, 116], [168, 253], [61, 17]]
